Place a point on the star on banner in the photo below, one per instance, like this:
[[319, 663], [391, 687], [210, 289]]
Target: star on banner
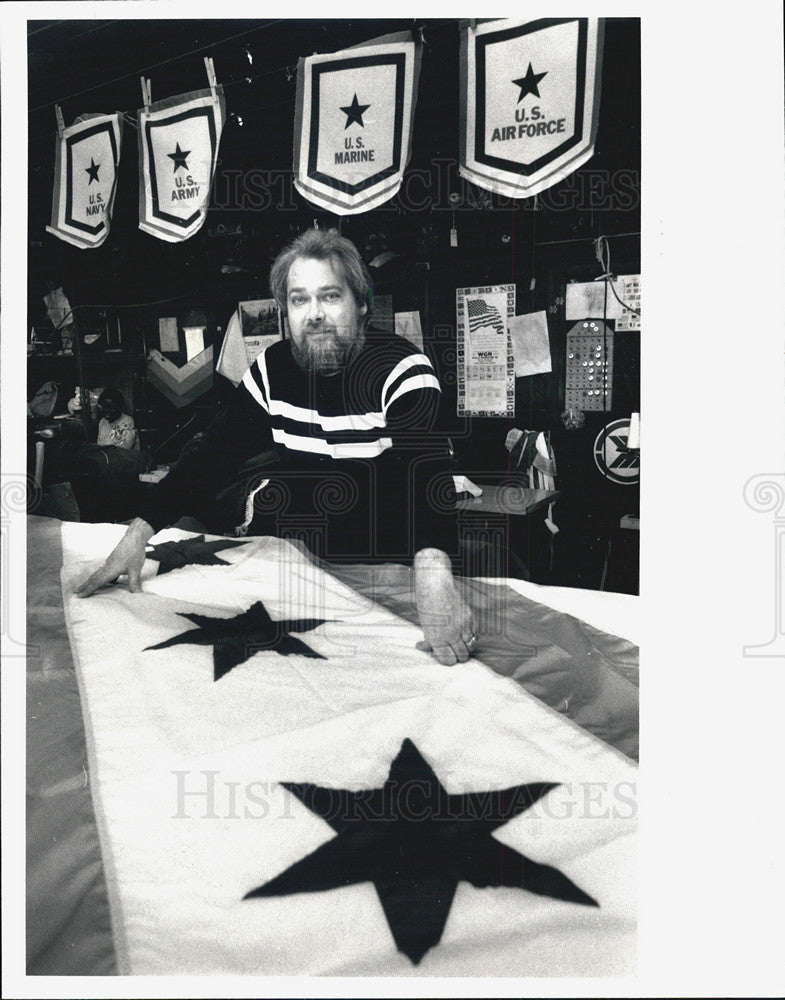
[[416, 842], [189, 551], [235, 640], [354, 112], [179, 157], [529, 83], [93, 171]]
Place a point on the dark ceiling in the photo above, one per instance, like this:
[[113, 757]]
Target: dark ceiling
[[92, 66]]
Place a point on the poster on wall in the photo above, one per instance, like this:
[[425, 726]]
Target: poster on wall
[[486, 367], [254, 325], [529, 101]]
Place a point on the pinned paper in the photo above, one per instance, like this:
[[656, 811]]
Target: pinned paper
[[167, 334], [530, 346], [58, 307], [194, 341], [587, 300], [407, 324]]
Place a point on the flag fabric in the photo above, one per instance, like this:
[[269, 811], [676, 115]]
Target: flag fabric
[[529, 101], [181, 385], [233, 357], [85, 179], [354, 113], [329, 800], [481, 314], [178, 152]]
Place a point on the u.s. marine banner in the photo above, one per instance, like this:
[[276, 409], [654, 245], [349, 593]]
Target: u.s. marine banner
[[178, 152], [353, 123], [85, 180], [529, 101]]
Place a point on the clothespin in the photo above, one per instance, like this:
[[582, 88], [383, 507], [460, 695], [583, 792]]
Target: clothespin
[[147, 94], [210, 70], [60, 122]]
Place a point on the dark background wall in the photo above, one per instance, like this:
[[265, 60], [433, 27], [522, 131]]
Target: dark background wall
[[539, 243]]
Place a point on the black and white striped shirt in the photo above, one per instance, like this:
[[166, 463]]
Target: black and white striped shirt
[[349, 415], [373, 425]]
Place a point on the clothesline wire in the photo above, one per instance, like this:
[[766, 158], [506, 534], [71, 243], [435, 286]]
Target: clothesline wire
[[286, 68], [603, 255], [73, 38], [147, 69]]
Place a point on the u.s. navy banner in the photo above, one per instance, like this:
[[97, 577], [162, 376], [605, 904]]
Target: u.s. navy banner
[[86, 158], [353, 123], [529, 101], [178, 151]]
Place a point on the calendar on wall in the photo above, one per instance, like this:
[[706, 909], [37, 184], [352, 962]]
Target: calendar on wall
[[486, 368]]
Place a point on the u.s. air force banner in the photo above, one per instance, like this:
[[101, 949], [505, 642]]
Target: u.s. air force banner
[[86, 158], [178, 151], [353, 123], [529, 101]]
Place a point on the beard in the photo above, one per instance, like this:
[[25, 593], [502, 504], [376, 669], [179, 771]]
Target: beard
[[327, 352]]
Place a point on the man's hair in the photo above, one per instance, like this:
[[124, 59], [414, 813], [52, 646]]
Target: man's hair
[[323, 244]]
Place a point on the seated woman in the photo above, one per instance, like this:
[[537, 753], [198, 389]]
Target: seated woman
[[115, 427]]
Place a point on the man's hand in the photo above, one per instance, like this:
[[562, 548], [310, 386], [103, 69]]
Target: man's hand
[[445, 617], [127, 557]]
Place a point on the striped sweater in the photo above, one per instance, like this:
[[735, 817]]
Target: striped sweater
[[357, 453]]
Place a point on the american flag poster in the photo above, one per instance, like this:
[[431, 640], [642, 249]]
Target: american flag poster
[[486, 373]]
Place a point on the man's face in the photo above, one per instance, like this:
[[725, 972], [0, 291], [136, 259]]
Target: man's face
[[324, 319]]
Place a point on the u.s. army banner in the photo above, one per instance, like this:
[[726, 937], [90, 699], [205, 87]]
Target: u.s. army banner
[[529, 101], [353, 123], [178, 151], [86, 158]]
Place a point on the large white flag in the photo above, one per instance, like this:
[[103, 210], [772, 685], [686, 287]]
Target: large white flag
[[287, 785]]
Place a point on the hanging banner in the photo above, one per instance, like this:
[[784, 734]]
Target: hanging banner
[[86, 158], [178, 151], [529, 101], [486, 367], [353, 123], [181, 385]]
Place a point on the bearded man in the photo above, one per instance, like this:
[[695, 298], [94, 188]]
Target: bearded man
[[345, 420]]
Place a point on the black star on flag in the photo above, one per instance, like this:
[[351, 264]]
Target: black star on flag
[[416, 842], [235, 640], [175, 555], [529, 83], [93, 171], [179, 157], [354, 112]]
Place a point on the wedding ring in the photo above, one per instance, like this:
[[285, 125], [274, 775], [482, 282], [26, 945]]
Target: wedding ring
[[471, 642]]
